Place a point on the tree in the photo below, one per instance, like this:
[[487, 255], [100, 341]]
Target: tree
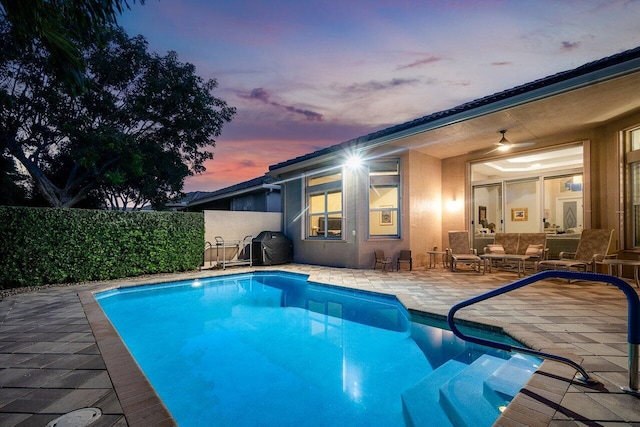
[[143, 125], [56, 24], [13, 184]]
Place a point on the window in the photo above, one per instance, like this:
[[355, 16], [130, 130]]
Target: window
[[384, 198], [632, 161], [324, 206]]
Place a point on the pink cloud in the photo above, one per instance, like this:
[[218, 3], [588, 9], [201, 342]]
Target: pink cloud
[[238, 161]]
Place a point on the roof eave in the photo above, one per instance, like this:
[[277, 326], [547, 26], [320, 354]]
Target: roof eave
[[574, 83], [270, 187]]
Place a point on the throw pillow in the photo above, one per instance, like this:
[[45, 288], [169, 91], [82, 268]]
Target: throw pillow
[[495, 249], [534, 250]]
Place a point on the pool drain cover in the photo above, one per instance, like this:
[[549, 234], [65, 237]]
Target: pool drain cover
[[78, 418]]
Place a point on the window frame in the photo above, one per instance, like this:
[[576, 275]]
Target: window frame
[[385, 179], [631, 160], [324, 189]]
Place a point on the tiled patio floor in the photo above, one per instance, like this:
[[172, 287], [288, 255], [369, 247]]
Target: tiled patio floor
[[58, 352]]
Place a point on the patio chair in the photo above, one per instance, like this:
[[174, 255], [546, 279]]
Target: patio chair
[[592, 247], [459, 251], [381, 259], [404, 258]]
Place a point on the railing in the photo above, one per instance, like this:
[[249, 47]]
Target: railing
[[633, 326], [208, 246]]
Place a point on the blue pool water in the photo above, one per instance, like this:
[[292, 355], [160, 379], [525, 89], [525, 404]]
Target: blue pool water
[[267, 349]]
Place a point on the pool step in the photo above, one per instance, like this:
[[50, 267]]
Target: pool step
[[507, 380], [420, 403], [465, 391], [457, 394]]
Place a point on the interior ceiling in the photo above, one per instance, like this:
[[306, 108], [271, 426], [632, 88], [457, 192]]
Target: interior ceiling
[[542, 162], [579, 109]]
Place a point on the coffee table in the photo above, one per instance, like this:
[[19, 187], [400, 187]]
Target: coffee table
[[519, 259]]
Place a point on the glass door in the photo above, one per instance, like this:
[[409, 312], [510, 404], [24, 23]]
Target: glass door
[[563, 207], [563, 213], [487, 214]]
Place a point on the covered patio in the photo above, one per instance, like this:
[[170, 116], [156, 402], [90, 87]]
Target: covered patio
[[58, 353]]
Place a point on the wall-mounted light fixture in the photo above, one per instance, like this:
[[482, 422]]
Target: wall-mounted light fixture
[[454, 205], [353, 162]]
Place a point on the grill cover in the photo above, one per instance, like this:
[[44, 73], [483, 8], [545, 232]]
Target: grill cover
[[272, 247]]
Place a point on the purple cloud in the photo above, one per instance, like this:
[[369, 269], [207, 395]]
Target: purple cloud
[[419, 62], [501, 63], [459, 83], [374, 85], [259, 94], [567, 46]]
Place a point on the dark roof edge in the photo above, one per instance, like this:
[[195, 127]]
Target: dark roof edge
[[599, 70], [200, 197], [227, 194]]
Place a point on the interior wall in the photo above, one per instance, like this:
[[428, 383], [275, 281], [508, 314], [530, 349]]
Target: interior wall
[[522, 198]]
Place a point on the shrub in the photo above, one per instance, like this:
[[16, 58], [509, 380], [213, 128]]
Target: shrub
[[44, 246]]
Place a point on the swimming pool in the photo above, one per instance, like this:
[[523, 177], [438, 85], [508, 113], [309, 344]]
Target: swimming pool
[[274, 349]]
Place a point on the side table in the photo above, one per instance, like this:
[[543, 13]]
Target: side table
[[619, 263], [433, 258]]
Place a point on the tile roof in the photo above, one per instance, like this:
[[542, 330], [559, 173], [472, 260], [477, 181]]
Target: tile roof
[[196, 197], [544, 82]]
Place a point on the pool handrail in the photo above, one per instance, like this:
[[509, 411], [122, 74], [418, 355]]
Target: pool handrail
[[633, 321]]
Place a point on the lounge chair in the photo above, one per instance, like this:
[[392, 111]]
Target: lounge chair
[[593, 246], [381, 259], [404, 258], [459, 251]]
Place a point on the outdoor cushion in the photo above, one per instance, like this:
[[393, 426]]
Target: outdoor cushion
[[534, 250], [495, 249]]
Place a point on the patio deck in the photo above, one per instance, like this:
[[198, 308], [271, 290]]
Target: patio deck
[[58, 352]]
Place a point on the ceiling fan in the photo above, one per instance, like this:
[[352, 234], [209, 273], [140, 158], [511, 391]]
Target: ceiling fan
[[505, 145]]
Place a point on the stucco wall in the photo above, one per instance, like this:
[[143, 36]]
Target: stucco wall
[[236, 225], [337, 253], [455, 196], [424, 191]]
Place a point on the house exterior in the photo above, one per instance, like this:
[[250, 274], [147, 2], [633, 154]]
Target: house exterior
[[571, 160], [257, 195]]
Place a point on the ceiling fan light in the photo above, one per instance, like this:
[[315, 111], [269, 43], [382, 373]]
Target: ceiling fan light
[[503, 144]]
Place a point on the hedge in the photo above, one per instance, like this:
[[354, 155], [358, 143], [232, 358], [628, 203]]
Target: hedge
[[45, 246]]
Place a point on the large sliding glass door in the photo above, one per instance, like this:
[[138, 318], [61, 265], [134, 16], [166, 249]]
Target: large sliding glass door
[[531, 193]]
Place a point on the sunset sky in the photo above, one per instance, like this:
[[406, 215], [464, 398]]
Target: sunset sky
[[305, 75]]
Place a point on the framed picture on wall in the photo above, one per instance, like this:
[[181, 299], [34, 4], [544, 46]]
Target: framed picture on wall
[[386, 216], [519, 214], [482, 214]]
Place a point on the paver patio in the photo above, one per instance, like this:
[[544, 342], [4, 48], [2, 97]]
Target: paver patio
[[58, 352]]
